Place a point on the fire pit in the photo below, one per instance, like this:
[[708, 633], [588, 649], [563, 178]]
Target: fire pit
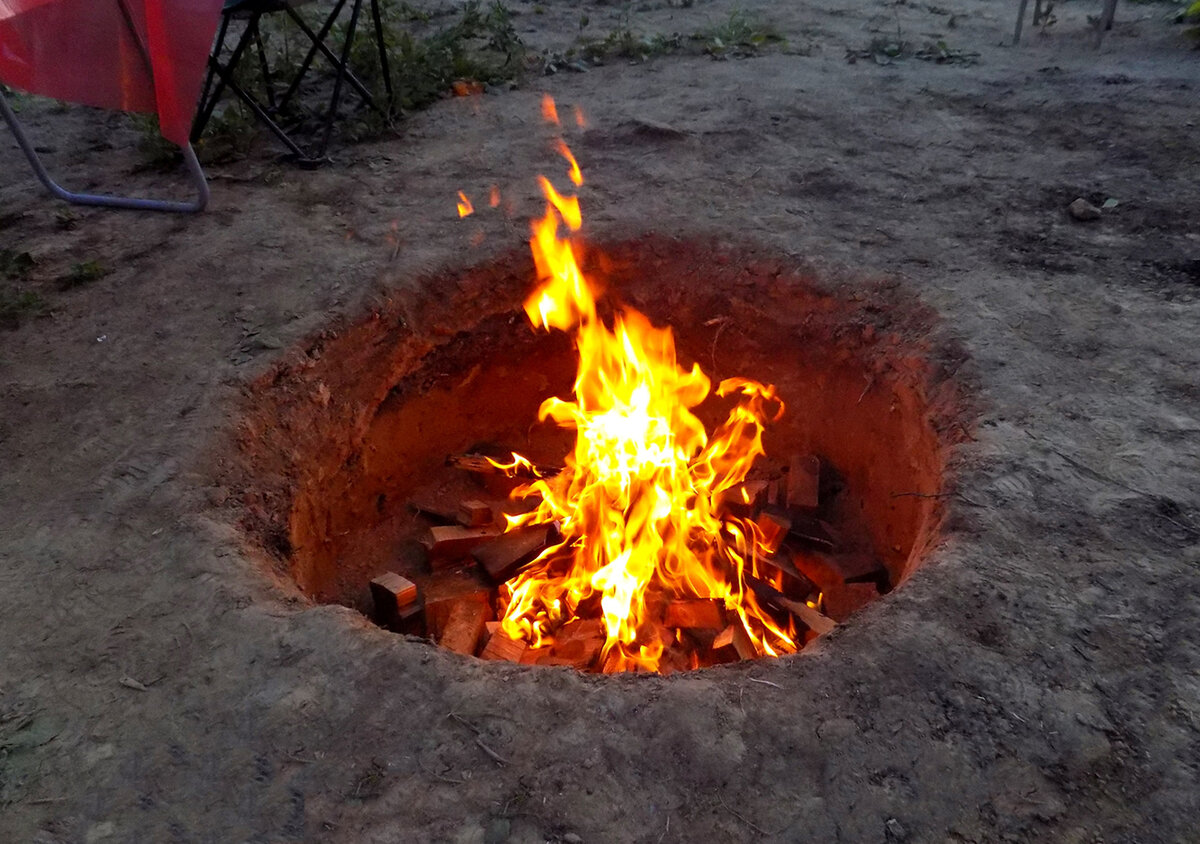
[[600, 492], [360, 452]]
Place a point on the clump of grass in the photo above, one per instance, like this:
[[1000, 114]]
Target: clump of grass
[[18, 305], [742, 32], [15, 265], [627, 43], [82, 273]]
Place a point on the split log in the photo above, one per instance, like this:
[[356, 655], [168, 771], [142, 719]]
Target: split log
[[449, 588], [700, 613], [578, 642], [481, 465], [450, 543], [772, 597], [792, 582], [733, 643], [500, 647], [474, 513], [810, 531], [392, 593], [829, 571], [502, 556], [464, 627], [744, 500], [774, 527], [803, 482]]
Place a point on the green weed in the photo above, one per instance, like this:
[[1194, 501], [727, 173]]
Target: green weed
[[17, 305], [82, 273]]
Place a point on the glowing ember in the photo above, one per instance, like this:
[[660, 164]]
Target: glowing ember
[[637, 508], [464, 205]]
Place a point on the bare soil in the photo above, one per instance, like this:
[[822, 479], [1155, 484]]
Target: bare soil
[[1036, 680]]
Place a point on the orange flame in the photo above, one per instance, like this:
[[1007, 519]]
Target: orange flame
[[494, 196], [636, 506], [465, 208], [580, 120], [576, 174], [549, 109]]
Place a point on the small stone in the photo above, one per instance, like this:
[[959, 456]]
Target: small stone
[[572, 838], [895, 830], [1081, 209]]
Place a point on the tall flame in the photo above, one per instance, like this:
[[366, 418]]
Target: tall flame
[[636, 505]]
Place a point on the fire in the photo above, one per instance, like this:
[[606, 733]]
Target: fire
[[465, 208], [637, 506]]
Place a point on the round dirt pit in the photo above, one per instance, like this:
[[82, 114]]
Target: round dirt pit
[[347, 486]]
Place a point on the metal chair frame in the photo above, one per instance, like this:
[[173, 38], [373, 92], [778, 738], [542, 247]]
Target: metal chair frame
[[222, 74]]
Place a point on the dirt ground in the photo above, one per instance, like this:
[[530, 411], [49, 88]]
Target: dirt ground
[[1037, 680]]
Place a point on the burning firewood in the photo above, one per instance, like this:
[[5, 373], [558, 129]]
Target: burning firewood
[[446, 590], [803, 482], [810, 531], [829, 571], [503, 555], [482, 465], [500, 647], [806, 615], [464, 627], [702, 614], [745, 500], [774, 527]]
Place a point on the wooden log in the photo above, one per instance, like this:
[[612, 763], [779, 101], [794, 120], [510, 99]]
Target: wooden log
[[450, 543], [772, 597], [774, 527], [829, 571], [446, 589], [780, 571], [481, 465], [391, 593], [803, 482], [502, 556], [843, 601], [699, 613], [464, 627], [809, 531], [474, 513], [743, 644], [744, 500], [500, 647]]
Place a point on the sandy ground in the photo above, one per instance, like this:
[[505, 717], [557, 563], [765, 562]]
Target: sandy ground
[[1038, 680]]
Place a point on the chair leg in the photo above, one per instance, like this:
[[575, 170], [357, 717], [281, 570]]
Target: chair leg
[[1105, 23], [383, 59], [1020, 22], [227, 81], [318, 42], [204, 107], [224, 76], [264, 68], [320, 47], [107, 200], [342, 70]]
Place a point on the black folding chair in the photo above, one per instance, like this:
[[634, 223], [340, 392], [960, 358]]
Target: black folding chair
[[222, 72]]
